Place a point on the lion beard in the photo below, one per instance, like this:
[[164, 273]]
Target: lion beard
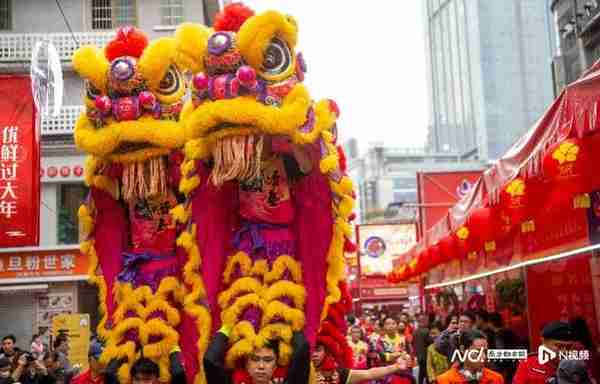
[[236, 158]]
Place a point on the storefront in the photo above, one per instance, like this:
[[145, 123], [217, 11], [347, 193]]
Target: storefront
[[38, 284]]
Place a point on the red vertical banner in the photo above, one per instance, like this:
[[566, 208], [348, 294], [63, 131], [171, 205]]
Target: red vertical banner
[[561, 290], [19, 164]]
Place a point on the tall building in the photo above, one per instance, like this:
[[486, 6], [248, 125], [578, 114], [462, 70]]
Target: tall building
[[577, 28], [489, 72], [37, 283]]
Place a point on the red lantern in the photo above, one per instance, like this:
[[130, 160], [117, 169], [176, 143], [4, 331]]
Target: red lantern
[[434, 257], [484, 224], [521, 199], [448, 248], [568, 165]]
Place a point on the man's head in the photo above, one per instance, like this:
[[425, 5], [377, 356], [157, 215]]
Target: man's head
[[452, 322], [404, 317], [401, 326], [466, 321], [557, 336], [481, 319], [262, 363], [390, 326], [4, 368], [94, 353], [435, 329], [51, 361], [61, 344], [355, 333], [144, 371], [423, 321], [8, 345], [495, 321], [318, 355], [475, 343]]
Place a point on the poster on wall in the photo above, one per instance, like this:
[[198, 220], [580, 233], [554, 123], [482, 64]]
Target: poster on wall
[[77, 328], [51, 305], [19, 164], [381, 245]]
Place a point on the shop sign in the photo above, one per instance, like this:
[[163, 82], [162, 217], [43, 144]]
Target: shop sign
[[42, 264]]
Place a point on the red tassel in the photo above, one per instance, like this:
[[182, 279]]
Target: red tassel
[[232, 17], [349, 246], [129, 41]]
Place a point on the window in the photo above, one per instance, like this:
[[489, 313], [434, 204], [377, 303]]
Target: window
[[109, 14], [70, 198], [5, 15], [171, 12]]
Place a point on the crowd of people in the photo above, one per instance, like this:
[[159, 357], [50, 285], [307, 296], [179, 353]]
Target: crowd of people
[[387, 349], [434, 348]]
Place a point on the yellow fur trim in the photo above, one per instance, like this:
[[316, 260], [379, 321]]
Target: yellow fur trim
[[280, 265], [274, 331], [164, 134], [191, 42], [242, 330], [260, 268], [243, 285], [241, 260], [257, 32], [155, 61], [85, 221], [187, 167], [284, 288], [285, 354], [278, 309], [324, 119], [247, 112], [90, 167], [237, 351], [187, 185], [89, 62], [180, 214], [230, 316], [156, 327], [196, 149]]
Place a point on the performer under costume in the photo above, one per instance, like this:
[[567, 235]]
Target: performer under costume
[[131, 129], [267, 199]]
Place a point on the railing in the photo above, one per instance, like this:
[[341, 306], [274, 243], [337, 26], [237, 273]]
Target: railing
[[64, 123], [17, 47]]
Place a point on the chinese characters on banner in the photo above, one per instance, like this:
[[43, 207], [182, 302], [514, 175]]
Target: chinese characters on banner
[[570, 281], [19, 164], [43, 264]]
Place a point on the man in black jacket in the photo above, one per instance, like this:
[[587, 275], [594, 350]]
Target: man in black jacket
[[261, 364], [146, 371]]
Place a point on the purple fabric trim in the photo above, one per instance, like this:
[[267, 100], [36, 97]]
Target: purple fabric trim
[[131, 272], [309, 124], [254, 229]]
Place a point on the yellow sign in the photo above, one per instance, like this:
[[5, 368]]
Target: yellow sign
[[77, 329]]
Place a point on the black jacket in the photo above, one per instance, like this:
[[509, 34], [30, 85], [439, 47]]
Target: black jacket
[[214, 357]]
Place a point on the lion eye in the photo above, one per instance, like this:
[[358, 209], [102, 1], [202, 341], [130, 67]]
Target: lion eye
[[170, 83], [277, 57], [91, 91]]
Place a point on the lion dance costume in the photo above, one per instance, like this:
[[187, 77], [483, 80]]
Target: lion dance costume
[[134, 93], [234, 232]]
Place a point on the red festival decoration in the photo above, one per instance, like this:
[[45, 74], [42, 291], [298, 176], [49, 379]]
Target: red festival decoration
[[19, 164]]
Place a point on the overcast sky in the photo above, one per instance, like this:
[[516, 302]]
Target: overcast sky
[[369, 56]]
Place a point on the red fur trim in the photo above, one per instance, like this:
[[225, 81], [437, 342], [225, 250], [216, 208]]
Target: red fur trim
[[129, 41], [342, 157], [328, 364], [232, 17]]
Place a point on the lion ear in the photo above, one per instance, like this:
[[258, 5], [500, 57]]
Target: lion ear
[[89, 62], [191, 45], [258, 31]]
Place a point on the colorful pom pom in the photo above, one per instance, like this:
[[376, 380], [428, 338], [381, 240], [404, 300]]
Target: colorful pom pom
[[232, 17], [129, 41]]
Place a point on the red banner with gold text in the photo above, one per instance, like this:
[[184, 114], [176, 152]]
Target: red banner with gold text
[[19, 164]]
